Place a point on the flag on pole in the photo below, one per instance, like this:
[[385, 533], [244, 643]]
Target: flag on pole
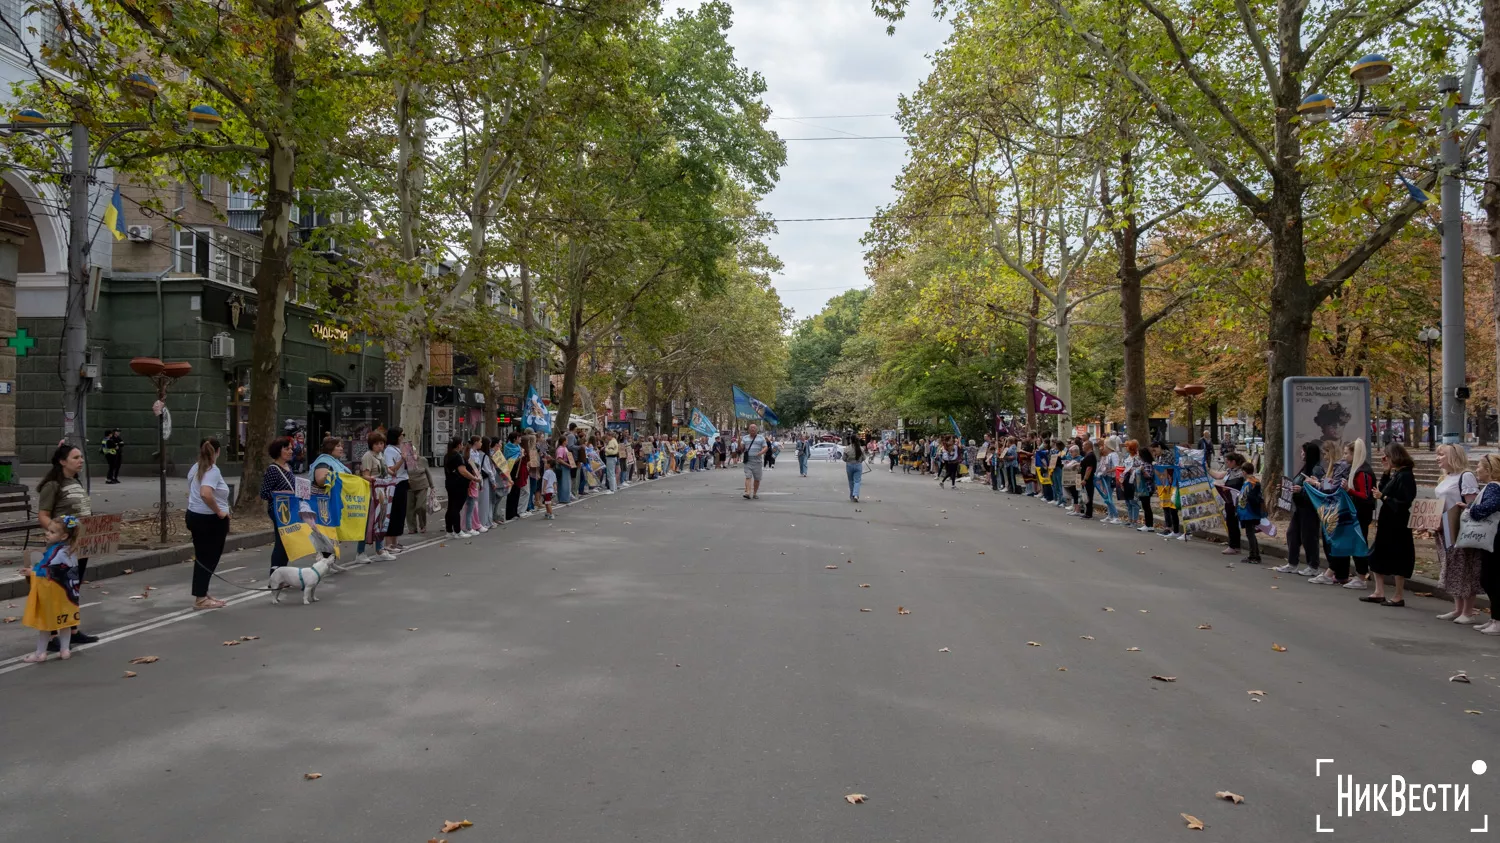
[[1417, 194], [535, 417], [701, 424], [114, 215], [1046, 403], [956, 431], [748, 407]]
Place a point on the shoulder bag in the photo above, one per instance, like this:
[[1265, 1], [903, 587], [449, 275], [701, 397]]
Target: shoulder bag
[[1476, 533]]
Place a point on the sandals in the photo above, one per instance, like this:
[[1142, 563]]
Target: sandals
[[34, 658], [1395, 604], [209, 603]]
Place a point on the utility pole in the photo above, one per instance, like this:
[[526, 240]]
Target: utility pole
[[75, 320], [1455, 387]]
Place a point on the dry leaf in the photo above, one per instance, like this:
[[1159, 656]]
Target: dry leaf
[[129, 674], [1165, 678], [1132, 649], [1087, 637], [249, 637], [1108, 609], [128, 571], [231, 644], [145, 659], [1275, 587], [831, 567], [1100, 550], [867, 610], [311, 776], [943, 650], [1140, 553], [1205, 626], [320, 629], [1232, 797], [849, 562], [11, 620], [1278, 648], [1193, 822], [1460, 677], [411, 629], [1063, 669], [1472, 711], [981, 553], [1256, 693], [855, 798], [1145, 611], [1033, 644], [864, 585], [451, 826], [902, 610], [1422, 593], [137, 597]]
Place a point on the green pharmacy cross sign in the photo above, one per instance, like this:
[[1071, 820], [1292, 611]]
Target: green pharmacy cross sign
[[21, 342]]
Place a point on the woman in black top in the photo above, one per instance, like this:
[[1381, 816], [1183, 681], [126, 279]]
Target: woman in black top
[[1395, 553], [456, 479], [278, 478]]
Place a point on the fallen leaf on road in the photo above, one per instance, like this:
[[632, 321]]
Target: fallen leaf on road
[[849, 562], [864, 585], [451, 826], [320, 629], [1460, 677], [411, 629], [137, 597], [129, 674], [1274, 587], [981, 553], [1099, 550], [1472, 711], [1087, 637], [855, 798], [1278, 648], [1193, 822], [902, 610], [311, 776], [128, 571], [11, 620], [1232, 797], [1145, 611], [1132, 649], [1422, 593], [1205, 626], [1140, 553], [943, 650], [145, 659], [831, 567], [705, 548], [231, 644], [867, 610], [1256, 693], [1108, 609], [249, 637], [1033, 644], [1165, 678]]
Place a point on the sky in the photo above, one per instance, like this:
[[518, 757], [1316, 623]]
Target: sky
[[826, 59]]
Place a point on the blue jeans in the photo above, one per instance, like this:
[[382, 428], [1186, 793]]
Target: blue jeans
[[564, 484], [1107, 492], [609, 472], [802, 464], [1133, 509], [533, 488], [856, 472]]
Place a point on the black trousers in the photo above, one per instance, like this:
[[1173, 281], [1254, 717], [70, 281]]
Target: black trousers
[[453, 517], [1251, 538], [1146, 510], [398, 510], [1304, 533], [1232, 526], [278, 550], [1088, 507], [513, 501], [1489, 575], [1173, 524], [209, 532], [950, 473], [114, 461]]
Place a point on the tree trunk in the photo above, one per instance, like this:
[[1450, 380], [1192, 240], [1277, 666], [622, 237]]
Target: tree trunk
[[532, 364], [1064, 374], [1137, 411], [1031, 360], [650, 401], [491, 426], [414, 371], [411, 140], [1292, 306], [1489, 61]]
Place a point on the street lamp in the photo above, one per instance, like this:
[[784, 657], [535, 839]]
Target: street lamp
[[1188, 392], [162, 375], [80, 170], [1429, 338], [1453, 95]]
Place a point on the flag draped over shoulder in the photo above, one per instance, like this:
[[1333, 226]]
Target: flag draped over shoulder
[[749, 407], [701, 424], [1339, 521]]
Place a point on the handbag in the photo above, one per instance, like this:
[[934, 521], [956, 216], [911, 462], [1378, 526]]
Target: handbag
[[1476, 533], [437, 501]]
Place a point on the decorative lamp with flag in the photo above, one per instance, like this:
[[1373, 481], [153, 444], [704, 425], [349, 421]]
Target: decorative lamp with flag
[[204, 118], [1316, 107], [28, 115], [141, 86], [1371, 70]]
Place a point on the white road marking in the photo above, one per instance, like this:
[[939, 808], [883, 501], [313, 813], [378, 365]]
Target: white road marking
[[95, 603]]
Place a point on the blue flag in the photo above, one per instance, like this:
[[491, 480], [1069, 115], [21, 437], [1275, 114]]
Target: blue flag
[[748, 407], [1339, 521], [956, 431], [535, 415], [701, 424]]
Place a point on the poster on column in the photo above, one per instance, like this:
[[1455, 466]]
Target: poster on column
[[1320, 410]]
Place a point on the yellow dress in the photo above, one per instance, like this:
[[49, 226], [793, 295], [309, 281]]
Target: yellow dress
[[48, 608]]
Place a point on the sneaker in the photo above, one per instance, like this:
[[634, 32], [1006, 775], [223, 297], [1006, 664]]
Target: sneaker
[[1182, 537], [1357, 583], [484, 528], [1448, 616], [1229, 551], [386, 556], [363, 558], [467, 534], [1322, 579], [526, 514], [547, 516], [1285, 569], [1468, 619], [1145, 530], [1306, 571], [1492, 628]]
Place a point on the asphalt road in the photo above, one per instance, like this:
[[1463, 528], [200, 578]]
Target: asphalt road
[[675, 663]]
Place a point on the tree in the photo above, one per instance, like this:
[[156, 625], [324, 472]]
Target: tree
[[814, 348]]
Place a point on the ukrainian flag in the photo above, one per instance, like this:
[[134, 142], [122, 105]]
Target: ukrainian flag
[[1417, 194], [114, 215]]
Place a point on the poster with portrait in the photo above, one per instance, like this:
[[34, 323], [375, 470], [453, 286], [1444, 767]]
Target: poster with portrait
[[1323, 410]]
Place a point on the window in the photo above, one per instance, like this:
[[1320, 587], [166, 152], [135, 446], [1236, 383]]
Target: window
[[12, 12], [234, 262], [206, 187], [191, 252], [243, 200]]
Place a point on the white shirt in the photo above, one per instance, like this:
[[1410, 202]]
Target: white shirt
[[1108, 465], [1450, 490], [393, 458], [214, 479]]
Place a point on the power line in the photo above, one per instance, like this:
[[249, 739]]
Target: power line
[[851, 137], [832, 117]]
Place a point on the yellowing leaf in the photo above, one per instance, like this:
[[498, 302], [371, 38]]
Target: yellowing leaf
[[1232, 797], [867, 610], [855, 798], [1205, 626], [129, 674], [1165, 678], [451, 826], [1460, 677], [1256, 693], [1132, 649], [864, 585], [1145, 611], [1193, 822], [1472, 711], [1278, 648], [231, 644], [902, 610], [11, 620], [145, 659], [1108, 609], [1033, 644], [311, 776]]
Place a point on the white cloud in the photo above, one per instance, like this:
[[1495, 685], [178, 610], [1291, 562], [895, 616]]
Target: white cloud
[[831, 57]]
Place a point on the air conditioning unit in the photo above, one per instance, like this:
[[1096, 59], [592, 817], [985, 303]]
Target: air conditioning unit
[[138, 233], [222, 347]]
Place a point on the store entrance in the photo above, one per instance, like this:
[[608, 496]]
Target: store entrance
[[320, 392]]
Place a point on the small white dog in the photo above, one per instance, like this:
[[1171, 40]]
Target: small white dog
[[306, 579]]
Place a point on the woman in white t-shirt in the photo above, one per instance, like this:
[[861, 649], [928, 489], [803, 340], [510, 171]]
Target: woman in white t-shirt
[[207, 520], [1460, 565]]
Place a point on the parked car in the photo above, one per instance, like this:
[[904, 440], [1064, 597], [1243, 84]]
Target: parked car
[[827, 451]]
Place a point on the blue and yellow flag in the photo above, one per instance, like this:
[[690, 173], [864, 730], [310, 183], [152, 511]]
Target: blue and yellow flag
[[1340, 522], [114, 215], [701, 424], [1417, 194], [746, 406], [297, 536]]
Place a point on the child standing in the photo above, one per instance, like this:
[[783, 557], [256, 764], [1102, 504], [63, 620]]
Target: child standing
[[52, 602], [1250, 507], [549, 486]]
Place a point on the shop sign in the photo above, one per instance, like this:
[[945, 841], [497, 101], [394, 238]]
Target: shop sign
[[329, 333]]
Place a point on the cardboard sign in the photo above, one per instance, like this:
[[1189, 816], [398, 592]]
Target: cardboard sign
[[98, 535], [1426, 514]]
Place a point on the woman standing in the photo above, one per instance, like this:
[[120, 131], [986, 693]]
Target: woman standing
[[1488, 504], [854, 465], [277, 479], [481, 514], [517, 470], [948, 458], [1131, 479], [533, 470], [457, 477], [395, 464], [372, 467], [419, 486], [1460, 565], [1109, 461], [1145, 486], [1394, 553], [207, 520], [61, 493], [1304, 531]]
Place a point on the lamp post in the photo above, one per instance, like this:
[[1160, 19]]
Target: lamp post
[[162, 375], [80, 168], [1453, 95], [1188, 392], [1429, 337]]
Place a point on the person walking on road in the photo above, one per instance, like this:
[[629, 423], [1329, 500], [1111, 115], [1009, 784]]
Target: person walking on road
[[948, 457], [854, 464], [1395, 553], [61, 493], [755, 447], [804, 451], [207, 520]]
